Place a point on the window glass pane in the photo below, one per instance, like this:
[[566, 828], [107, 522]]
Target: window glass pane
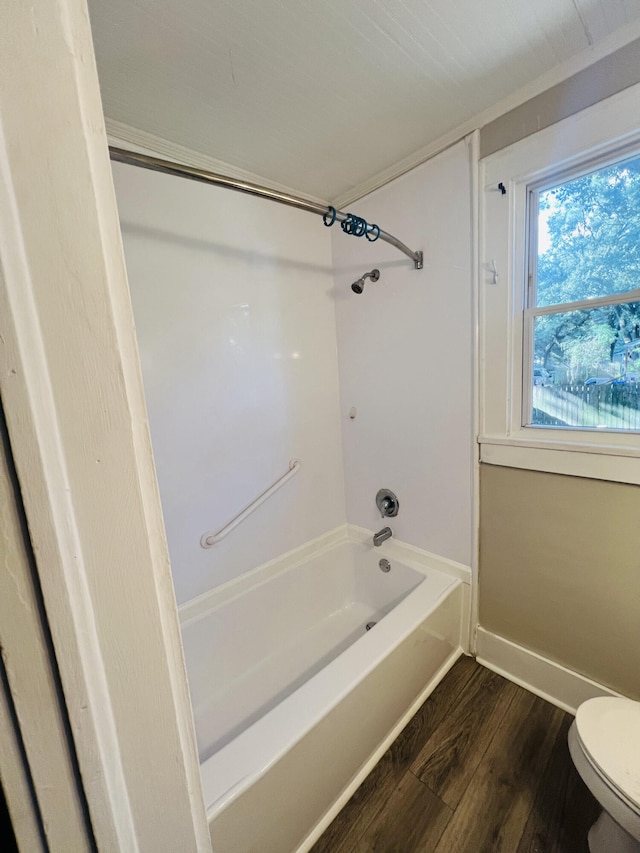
[[589, 236], [586, 368]]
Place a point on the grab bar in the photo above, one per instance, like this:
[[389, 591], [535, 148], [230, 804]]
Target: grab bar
[[210, 539]]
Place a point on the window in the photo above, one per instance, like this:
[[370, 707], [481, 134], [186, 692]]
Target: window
[[559, 297], [582, 315]]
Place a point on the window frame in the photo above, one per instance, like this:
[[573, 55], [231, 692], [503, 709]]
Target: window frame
[[530, 309], [604, 133]]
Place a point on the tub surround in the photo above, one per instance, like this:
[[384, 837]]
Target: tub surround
[[263, 351], [405, 360], [235, 320]]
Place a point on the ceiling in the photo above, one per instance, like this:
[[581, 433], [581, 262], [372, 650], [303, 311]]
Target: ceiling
[[326, 97]]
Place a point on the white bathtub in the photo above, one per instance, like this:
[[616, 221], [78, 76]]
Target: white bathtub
[[294, 699]]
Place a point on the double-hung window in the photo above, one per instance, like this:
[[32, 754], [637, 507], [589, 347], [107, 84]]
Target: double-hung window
[[559, 296], [582, 315]]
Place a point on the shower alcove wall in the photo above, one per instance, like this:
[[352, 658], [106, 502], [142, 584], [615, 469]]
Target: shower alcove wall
[[254, 349]]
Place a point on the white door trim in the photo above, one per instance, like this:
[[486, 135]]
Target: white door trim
[[70, 382]]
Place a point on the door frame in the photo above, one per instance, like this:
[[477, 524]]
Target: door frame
[[37, 759], [74, 404]]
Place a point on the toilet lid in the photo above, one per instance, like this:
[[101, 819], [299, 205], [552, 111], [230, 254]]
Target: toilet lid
[[609, 729]]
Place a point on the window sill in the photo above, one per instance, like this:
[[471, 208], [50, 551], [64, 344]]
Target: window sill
[[617, 463]]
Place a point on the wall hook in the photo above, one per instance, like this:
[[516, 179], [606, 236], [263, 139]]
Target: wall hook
[[494, 270]]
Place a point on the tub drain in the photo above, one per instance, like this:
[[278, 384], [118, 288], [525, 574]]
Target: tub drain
[[370, 625]]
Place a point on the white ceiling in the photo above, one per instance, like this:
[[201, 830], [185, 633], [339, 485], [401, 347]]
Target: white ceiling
[[326, 96]]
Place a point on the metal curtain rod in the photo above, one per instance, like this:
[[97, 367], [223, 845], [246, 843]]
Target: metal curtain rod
[[353, 225]]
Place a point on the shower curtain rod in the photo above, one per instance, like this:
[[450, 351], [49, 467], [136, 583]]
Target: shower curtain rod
[[352, 224]]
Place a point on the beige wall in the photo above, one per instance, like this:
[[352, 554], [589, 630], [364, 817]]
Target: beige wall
[[560, 570], [604, 78]]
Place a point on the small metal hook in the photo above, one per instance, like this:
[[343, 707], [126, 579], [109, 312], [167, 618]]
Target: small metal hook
[[494, 270]]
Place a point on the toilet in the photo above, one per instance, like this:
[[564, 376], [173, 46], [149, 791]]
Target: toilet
[[604, 742]]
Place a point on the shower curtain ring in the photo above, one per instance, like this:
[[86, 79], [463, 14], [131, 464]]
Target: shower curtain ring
[[331, 212], [360, 226]]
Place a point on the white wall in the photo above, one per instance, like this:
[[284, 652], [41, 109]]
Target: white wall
[[405, 349], [235, 321]]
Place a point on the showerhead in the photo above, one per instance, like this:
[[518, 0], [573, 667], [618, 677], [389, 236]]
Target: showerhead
[[358, 286]]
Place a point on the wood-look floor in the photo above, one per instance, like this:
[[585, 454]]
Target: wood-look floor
[[483, 767]]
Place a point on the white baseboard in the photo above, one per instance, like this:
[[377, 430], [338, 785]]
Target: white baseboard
[[539, 675]]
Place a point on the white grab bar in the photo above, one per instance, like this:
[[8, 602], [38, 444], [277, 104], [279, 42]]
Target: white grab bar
[[209, 539]]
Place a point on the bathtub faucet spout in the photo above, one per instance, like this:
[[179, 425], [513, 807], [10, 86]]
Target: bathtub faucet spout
[[382, 535]]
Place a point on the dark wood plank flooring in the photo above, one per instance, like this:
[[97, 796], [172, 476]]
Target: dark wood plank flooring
[[483, 767]]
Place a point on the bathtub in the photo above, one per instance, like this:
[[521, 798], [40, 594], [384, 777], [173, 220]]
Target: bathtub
[[301, 676]]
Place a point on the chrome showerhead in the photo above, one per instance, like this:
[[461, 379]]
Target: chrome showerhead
[[358, 286]]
